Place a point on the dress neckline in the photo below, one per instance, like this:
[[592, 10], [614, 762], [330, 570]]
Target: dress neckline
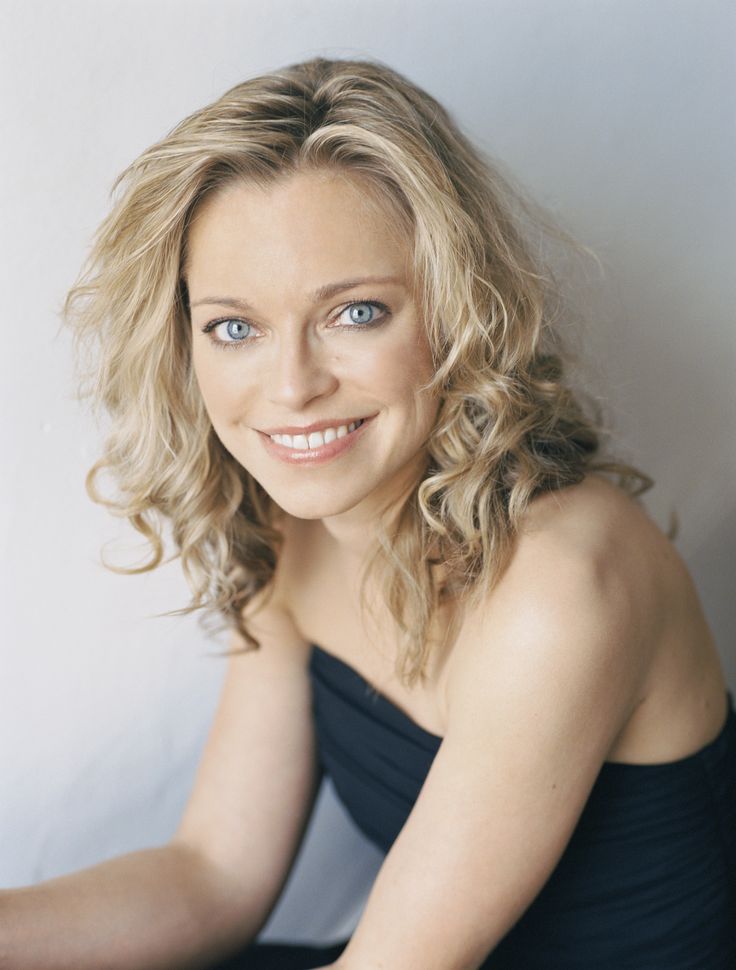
[[708, 750], [410, 722]]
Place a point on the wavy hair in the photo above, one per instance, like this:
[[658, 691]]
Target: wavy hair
[[509, 424]]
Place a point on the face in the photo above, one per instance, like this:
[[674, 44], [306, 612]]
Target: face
[[307, 343]]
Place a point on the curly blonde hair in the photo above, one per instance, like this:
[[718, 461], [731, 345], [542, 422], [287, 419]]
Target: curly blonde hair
[[509, 425]]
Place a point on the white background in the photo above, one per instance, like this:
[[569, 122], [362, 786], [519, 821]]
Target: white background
[[619, 116]]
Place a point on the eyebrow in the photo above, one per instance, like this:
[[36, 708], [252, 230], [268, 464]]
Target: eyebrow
[[323, 293]]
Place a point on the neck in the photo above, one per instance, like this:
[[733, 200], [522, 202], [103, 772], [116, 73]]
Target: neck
[[353, 532]]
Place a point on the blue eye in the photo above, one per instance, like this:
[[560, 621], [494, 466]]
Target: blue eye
[[233, 330], [236, 329], [362, 313]]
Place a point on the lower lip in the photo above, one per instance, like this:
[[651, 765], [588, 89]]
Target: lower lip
[[314, 456]]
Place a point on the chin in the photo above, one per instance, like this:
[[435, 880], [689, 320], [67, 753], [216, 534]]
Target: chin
[[302, 500], [318, 507]]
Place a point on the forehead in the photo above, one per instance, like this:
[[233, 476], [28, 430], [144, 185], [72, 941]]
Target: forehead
[[303, 225]]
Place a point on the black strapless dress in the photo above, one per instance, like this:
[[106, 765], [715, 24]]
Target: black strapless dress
[[648, 878], [646, 882]]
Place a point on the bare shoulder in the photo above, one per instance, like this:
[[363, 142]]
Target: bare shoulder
[[597, 596], [581, 552], [596, 530], [597, 527], [598, 519], [574, 614]]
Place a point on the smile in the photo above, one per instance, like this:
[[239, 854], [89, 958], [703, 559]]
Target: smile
[[316, 439], [316, 447]]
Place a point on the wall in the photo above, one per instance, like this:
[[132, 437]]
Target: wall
[[617, 115]]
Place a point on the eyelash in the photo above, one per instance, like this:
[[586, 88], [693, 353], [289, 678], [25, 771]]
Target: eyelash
[[231, 344]]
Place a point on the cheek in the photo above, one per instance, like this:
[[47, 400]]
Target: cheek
[[224, 389], [403, 358], [396, 375], [409, 367]]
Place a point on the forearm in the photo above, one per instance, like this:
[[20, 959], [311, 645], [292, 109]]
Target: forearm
[[147, 910]]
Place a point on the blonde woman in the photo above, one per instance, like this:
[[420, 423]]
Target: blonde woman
[[331, 359]]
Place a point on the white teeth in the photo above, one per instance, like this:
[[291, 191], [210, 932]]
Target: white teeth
[[316, 439]]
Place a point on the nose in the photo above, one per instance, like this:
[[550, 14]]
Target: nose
[[298, 373]]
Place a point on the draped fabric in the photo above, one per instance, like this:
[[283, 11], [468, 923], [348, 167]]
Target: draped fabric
[[647, 880]]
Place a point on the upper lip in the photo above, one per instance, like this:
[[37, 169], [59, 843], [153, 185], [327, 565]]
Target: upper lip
[[317, 426]]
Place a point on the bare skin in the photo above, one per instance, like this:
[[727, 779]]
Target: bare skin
[[681, 704]]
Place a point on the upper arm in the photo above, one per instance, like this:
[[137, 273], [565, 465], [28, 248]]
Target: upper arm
[[542, 682], [258, 777]]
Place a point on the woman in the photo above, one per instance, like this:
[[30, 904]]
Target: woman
[[329, 354]]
